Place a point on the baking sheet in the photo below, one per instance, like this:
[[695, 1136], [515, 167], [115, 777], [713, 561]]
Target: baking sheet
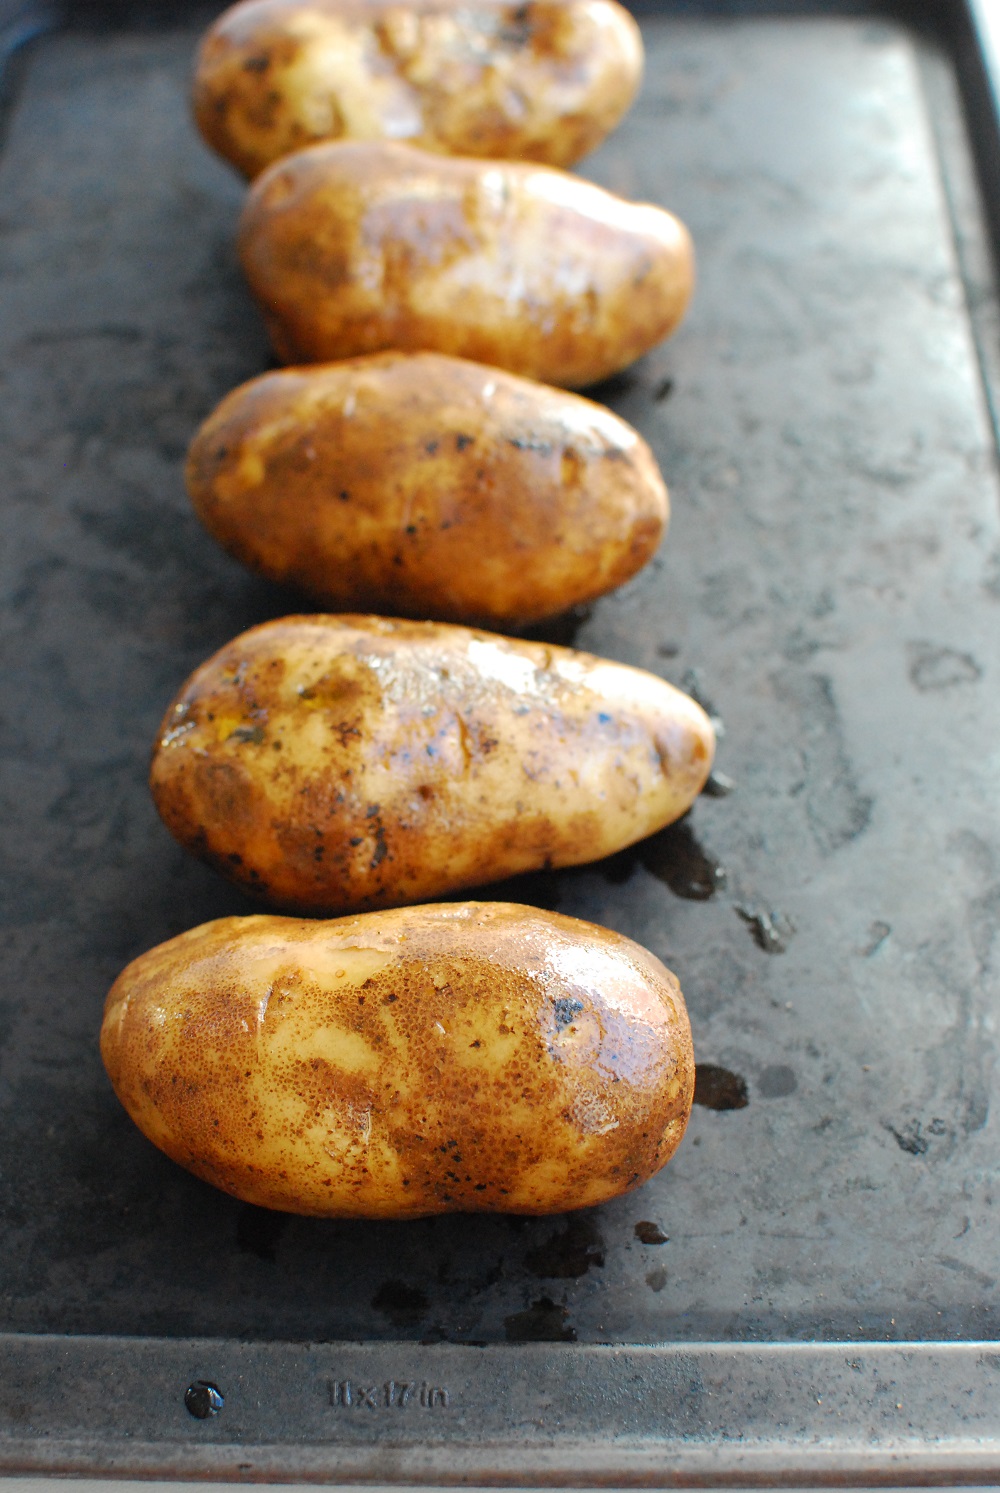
[[830, 584]]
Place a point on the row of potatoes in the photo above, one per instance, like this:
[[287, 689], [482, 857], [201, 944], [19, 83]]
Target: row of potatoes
[[400, 1060]]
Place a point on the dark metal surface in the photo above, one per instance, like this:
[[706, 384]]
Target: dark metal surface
[[832, 576]]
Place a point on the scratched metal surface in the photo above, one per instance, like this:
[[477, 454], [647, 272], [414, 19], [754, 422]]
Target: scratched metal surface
[[832, 574]]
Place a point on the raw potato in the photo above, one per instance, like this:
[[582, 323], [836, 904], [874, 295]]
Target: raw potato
[[545, 81], [354, 249], [335, 763], [470, 1057], [425, 486]]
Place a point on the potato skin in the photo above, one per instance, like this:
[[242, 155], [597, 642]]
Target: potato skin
[[358, 248], [426, 486], [468, 1057], [546, 81], [333, 763]]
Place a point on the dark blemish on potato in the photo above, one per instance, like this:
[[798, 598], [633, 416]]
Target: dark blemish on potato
[[258, 64], [718, 1088], [404, 1305], [776, 1082], [381, 848], [770, 931], [568, 1253], [254, 734], [431, 447], [258, 1231], [650, 1233], [543, 1322], [566, 1009], [461, 441]]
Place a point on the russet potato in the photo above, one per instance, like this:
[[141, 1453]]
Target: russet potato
[[332, 763], [475, 1057], [427, 486], [544, 81], [359, 248]]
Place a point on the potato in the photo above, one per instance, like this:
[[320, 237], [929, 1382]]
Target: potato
[[357, 248], [544, 81], [468, 1057], [426, 486], [334, 763]]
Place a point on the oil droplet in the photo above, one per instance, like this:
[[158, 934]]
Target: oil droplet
[[718, 1088]]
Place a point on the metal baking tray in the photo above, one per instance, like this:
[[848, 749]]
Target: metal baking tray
[[810, 1292]]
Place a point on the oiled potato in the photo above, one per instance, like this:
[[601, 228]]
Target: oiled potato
[[545, 81], [333, 763], [355, 249], [475, 1057], [426, 486]]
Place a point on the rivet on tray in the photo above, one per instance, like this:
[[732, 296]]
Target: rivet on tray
[[203, 1399]]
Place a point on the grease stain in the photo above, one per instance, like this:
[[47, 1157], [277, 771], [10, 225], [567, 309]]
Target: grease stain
[[568, 1253], [404, 1305], [719, 1088], [674, 856], [543, 1322]]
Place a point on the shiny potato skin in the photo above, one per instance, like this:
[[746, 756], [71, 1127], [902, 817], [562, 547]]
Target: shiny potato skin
[[546, 81], [468, 1057], [358, 248], [426, 486], [346, 763]]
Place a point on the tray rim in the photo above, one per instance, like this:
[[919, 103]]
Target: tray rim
[[776, 1383]]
